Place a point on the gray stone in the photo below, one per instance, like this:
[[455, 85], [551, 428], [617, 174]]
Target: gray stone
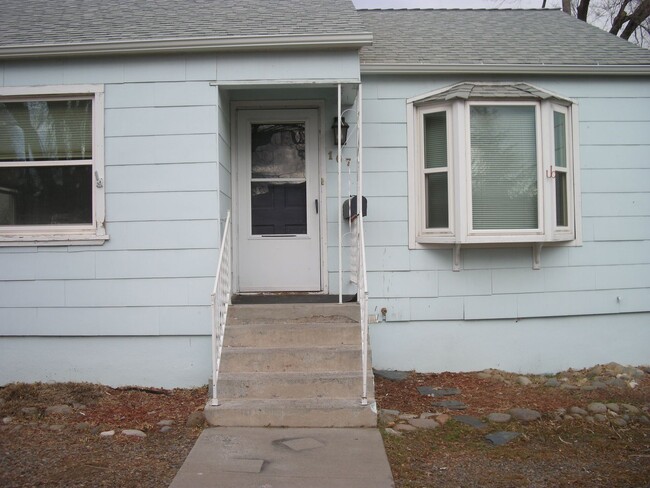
[[619, 422], [57, 427], [165, 428], [597, 407], [588, 388], [78, 406], [525, 414], [644, 420], [599, 417], [405, 427], [598, 385], [424, 423], [393, 432], [59, 410], [630, 408], [568, 417], [7, 420], [589, 419], [196, 419], [499, 418], [29, 410], [163, 423], [616, 382], [472, 421], [387, 416], [484, 376], [392, 375], [524, 381], [407, 416], [552, 382], [437, 392], [107, 433], [614, 368], [134, 433], [427, 415], [450, 404], [82, 426], [566, 386], [578, 411], [501, 438]]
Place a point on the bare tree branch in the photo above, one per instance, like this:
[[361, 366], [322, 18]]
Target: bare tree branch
[[620, 19], [637, 17], [583, 8]]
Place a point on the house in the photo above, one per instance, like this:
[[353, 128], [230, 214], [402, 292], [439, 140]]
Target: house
[[505, 161]]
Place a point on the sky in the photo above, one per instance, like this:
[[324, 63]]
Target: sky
[[455, 3]]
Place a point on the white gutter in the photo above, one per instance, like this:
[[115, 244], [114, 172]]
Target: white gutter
[[230, 43], [563, 69]]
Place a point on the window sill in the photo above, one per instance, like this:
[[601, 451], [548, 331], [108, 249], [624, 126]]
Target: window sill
[[52, 240]]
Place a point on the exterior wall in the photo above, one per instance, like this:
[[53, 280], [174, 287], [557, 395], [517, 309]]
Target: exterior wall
[[136, 310], [587, 304]]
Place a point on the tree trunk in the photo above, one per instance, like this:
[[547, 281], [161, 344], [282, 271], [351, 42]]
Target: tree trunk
[[641, 13], [583, 8], [566, 6], [620, 19]]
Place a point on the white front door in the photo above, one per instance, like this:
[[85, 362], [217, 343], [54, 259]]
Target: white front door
[[278, 200]]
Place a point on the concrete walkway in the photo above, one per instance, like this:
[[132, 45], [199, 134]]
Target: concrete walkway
[[257, 457]]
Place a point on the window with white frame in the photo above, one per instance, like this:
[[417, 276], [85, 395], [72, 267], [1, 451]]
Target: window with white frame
[[490, 164], [51, 165]]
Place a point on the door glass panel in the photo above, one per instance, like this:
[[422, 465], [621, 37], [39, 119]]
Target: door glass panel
[[278, 150], [278, 208]]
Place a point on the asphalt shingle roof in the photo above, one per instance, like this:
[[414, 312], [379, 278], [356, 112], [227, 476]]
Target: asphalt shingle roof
[[501, 37], [42, 22]]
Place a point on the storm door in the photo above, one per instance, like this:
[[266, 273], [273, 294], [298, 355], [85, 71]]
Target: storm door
[[278, 184]]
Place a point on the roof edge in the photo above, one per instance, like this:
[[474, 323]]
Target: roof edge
[[559, 69], [230, 43]]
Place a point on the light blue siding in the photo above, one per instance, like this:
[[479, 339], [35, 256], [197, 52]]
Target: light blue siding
[[170, 149]]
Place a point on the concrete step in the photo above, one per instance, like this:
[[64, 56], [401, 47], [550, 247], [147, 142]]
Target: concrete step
[[296, 359], [286, 335], [292, 413], [293, 313], [346, 384]]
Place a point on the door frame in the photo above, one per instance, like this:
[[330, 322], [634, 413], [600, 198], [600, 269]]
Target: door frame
[[235, 108]]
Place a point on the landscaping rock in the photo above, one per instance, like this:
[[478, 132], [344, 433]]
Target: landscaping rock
[[472, 421], [196, 419], [450, 404], [597, 407], [163, 423], [392, 375], [393, 432], [134, 433], [57, 427], [29, 410], [407, 416], [59, 410], [424, 423], [644, 420], [501, 438], [7, 420], [525, 414], [524, 381], [107, 433], [552, 382], [387, 416], [427, 415], [616, 382], [437, 392], [499, 418], [630, 408], [578, 411], [599, 417], [443, 418], [405, 427], [598, 385], [619, 422], [165, 428]]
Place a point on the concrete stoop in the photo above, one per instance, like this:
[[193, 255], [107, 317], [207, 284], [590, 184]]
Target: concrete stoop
[[296, 365]]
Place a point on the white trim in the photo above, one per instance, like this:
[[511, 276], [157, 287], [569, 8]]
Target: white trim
[[80, 234], [198, 44], [507, 69]]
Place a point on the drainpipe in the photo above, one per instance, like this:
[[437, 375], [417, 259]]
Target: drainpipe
[[339, 206]]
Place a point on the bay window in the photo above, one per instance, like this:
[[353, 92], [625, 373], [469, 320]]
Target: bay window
[[491, 164]]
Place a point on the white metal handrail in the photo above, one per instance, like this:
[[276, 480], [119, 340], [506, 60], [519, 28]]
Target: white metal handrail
[[220, 301]]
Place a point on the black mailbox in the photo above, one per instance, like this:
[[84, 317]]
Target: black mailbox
[[350, 207]]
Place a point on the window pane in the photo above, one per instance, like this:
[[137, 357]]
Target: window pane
[[47, 195], [504, 167], [559, 124], [46, 130], [435, 140], [278, 208], [278, 150], [437, 201], [561, 211]]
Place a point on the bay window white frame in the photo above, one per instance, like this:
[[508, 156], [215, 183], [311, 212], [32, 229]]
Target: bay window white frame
[[460, 231], [79, 234]]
